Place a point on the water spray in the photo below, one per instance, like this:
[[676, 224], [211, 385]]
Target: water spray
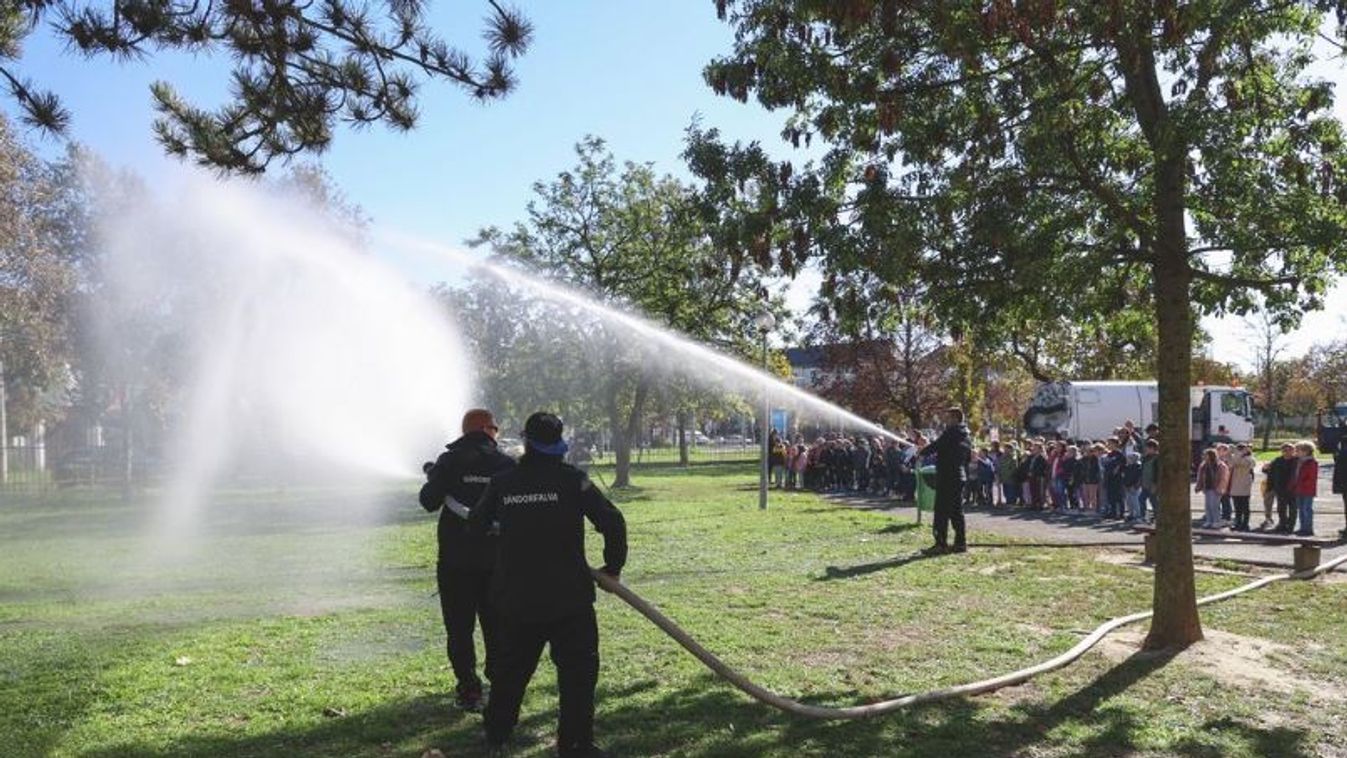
[[691, 353]]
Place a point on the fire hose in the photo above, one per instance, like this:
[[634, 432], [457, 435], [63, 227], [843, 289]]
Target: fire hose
[[806, 710]]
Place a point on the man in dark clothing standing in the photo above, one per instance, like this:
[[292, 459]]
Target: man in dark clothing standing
[[1281, 478], [952, 450], [542, 590], [454, 484]]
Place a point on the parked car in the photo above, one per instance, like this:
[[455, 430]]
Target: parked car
[[700, 439]]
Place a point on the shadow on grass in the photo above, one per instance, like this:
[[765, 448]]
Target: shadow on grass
[[846, 572], [710, 719], [901, 527]]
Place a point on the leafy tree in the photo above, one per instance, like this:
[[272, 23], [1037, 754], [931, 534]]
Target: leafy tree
[[1056, 157], [37, 278], [885, 361], [1302, 396], [636, 240], [1267, 338], [299, 67], [529, 354], [1327, 366], [1208, 370]]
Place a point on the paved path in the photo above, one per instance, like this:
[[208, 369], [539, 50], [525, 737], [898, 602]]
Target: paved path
[[1078, 527]]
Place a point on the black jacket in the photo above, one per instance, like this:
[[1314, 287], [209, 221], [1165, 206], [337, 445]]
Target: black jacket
[[541, 572], [462, 472], [953, 449], [1281, 475]]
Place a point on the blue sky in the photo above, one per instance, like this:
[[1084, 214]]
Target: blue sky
[[629, 72]]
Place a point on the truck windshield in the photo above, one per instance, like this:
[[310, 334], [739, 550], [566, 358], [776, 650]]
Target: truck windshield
[[1236, 403]]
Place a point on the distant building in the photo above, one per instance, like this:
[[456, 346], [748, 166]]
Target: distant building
[[807, 365]]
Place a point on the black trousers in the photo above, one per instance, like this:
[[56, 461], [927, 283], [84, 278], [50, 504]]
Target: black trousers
[[1287, 513], [1241, 511], [463, 603], [573, 642], [948, 510]]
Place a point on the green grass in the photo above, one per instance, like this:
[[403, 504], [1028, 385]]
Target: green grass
[[308, 626]]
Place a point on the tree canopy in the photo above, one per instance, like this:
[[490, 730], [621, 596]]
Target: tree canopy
[[639, 241], [298, 67], [1054, 161]]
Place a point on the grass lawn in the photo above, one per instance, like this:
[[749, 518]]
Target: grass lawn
[[307, 626]]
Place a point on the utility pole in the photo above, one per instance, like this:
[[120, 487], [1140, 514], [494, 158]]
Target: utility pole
[[765, 322], [4, 425]]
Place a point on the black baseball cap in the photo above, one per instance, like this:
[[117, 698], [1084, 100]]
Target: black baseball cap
[[542, 432]]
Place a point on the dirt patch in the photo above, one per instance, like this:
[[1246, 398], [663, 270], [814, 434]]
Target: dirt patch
[[1133, 559], [829, 660], [889, 638], [1249, 663]]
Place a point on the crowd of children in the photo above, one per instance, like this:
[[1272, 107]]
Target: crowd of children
[[1117, 477], [837, 463]]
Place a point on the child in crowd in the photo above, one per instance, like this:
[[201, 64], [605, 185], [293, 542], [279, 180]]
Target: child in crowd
[[1212, 478], [1006, 468], [1136, 511], [1283, 475], [1055, 457], [1269, 497], [1076, 469], [998, 492], [1113, 463], [1091, 475], [1038, 476], [1241, 465], [1227, 505], [986, 477], [799, 464], [1306, 487], [1150, 478]]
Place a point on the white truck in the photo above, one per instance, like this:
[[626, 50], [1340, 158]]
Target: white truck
[[1092, 410]]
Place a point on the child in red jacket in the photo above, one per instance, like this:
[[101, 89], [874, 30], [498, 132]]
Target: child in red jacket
[[1306, 486]]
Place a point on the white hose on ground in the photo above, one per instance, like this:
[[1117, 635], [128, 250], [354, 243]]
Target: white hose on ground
[[888, 706]]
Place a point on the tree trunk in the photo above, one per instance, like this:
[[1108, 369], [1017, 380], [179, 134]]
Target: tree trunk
[[1175, 624], [4, 428], [1270, 410], [683, 459], [625, 431], [128, 441]]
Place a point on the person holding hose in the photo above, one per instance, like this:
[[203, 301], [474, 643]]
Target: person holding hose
[[952, 449], [1340, 474], [453, 485], [542, 590]]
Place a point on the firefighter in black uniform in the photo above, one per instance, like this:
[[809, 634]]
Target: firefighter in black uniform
[[953, 449], [454, 484], [542, 589]]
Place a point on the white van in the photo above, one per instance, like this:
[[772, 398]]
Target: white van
[[1092, 410]]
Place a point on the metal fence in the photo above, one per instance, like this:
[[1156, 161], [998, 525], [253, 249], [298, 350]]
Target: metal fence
[[670, 455], [31, 468]]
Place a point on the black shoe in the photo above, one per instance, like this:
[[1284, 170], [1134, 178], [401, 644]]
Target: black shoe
[[935, 550], [470, 700], [591, 751], [959, 548]]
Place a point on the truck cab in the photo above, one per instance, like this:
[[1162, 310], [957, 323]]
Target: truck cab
[[1221, 414], [1331, 427]]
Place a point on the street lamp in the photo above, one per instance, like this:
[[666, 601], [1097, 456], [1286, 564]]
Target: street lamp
[[765, 322]]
